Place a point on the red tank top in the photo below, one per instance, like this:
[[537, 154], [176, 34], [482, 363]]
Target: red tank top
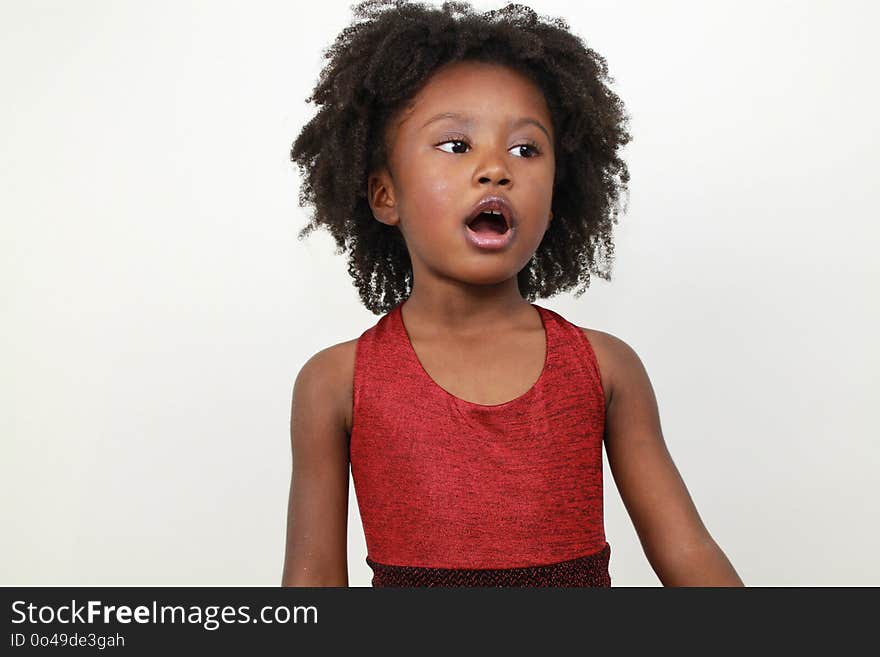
[[451, 492]]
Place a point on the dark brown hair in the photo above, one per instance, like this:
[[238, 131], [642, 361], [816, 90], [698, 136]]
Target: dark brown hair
[[379, 63]]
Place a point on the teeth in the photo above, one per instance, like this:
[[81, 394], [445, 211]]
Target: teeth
[[492, 212]]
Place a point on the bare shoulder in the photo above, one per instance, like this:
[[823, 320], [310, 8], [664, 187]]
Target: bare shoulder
[[331, 372], [622, 368], [614, 355]]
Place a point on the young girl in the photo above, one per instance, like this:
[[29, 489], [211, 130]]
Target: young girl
[[468, 165]]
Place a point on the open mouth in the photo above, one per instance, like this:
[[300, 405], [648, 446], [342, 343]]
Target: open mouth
[[489, 223]]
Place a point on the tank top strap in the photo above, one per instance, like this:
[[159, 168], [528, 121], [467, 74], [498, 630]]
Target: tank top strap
[[574, 359]]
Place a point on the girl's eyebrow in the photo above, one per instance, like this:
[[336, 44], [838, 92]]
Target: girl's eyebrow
[[523, 120]]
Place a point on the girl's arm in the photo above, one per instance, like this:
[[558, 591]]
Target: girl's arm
[[317, 516], [676, 543]]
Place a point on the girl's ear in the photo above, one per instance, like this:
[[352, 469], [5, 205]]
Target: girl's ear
[[380, 194]]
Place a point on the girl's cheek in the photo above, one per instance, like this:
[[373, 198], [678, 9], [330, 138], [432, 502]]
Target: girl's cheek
[[439, 186]]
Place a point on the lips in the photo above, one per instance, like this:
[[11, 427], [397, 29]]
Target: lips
[[493, 204]]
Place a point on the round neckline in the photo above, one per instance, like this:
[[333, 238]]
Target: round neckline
[[464, 402]]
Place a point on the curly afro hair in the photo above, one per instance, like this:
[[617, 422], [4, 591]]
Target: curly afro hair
[[380, 62]]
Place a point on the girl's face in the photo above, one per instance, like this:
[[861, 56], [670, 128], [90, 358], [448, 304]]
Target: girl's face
[[474, 130]]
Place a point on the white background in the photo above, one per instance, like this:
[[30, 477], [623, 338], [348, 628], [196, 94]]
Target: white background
[[157, 306]]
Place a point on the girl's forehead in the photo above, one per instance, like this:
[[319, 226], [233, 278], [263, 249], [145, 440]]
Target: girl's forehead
[[461, 75], [469, 87]]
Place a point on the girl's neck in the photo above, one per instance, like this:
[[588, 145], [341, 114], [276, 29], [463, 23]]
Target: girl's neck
[[465, 314]]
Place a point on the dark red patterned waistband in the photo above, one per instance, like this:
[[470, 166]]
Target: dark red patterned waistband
[[590, 570]]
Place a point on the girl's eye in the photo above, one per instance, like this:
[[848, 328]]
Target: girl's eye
[[531, 146], [452, 141]]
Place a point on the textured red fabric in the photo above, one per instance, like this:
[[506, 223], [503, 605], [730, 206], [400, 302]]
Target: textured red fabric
[[444, 483]]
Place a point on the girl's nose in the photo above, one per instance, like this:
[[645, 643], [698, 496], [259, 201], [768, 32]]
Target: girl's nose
[[492, 178], [494, 170]]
